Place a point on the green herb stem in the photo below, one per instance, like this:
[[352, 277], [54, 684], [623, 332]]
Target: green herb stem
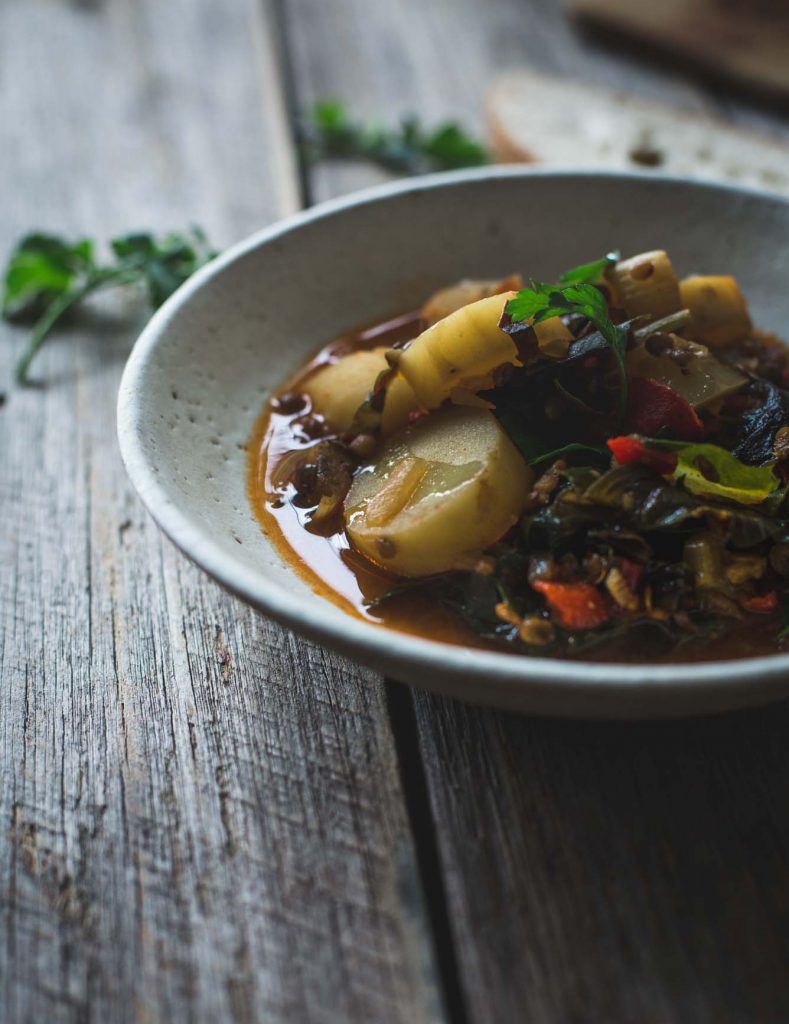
[[44, 326], [568, 449], [51, 273], [591, 273], [616, 337], [57, 309], [667, 324]]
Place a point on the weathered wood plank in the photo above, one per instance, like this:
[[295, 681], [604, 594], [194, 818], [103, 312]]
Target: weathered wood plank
[[202, 817], [593, 873], [624, 872]]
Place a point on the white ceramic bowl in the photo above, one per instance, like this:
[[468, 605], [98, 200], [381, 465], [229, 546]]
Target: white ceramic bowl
[[201, 370]]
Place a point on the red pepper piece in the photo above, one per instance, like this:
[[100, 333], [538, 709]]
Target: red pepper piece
[[652, 405], [762, 603], [577, 605], [629, 449]]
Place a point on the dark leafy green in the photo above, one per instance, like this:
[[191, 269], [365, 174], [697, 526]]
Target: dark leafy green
[[474, 598], [639, 499], [713, 471], [783, 630], [570, 449], [543, 301], [758, 426], [47, 276], [471, 596]]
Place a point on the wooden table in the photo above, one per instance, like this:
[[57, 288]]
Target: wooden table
[[207, 819]]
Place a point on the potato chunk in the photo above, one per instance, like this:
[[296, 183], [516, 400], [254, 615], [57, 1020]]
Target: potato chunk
[[553, 338], [718, 310], [448, 300], [440, 491], [337, 391], [454, 358], [700, 378], [459, 352], [646, 285]]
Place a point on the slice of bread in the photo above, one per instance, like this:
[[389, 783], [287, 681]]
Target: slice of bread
[[559, 122]]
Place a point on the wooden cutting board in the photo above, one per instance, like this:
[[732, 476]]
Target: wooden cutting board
[[746, 41], [559, 122]]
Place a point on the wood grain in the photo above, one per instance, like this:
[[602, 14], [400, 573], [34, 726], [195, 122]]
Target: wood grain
[[626, 872], [743, 43], [202, 817], [623, 873], [438, 57]]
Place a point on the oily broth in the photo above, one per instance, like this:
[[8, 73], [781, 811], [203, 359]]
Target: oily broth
[[324, 559]]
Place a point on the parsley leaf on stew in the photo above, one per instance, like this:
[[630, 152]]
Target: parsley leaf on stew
[[591, 273], [543, 301]]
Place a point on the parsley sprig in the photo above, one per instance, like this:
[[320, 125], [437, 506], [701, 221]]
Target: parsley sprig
[[48, 275], [591, 273], [329, 132], [543, 301]]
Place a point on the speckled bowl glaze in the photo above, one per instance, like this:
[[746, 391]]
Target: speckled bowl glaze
[[201, 370]]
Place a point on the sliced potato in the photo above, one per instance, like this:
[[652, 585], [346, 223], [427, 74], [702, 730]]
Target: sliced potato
[[459, 352], [444, 489], [718, 310], [454, 358], [553, 337], [702, 380], [337, 391], [448, 300], [646, 285]]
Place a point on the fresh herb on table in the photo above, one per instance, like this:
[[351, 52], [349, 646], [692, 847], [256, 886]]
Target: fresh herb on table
[[328, 132], [543, 301], [48, 275]]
